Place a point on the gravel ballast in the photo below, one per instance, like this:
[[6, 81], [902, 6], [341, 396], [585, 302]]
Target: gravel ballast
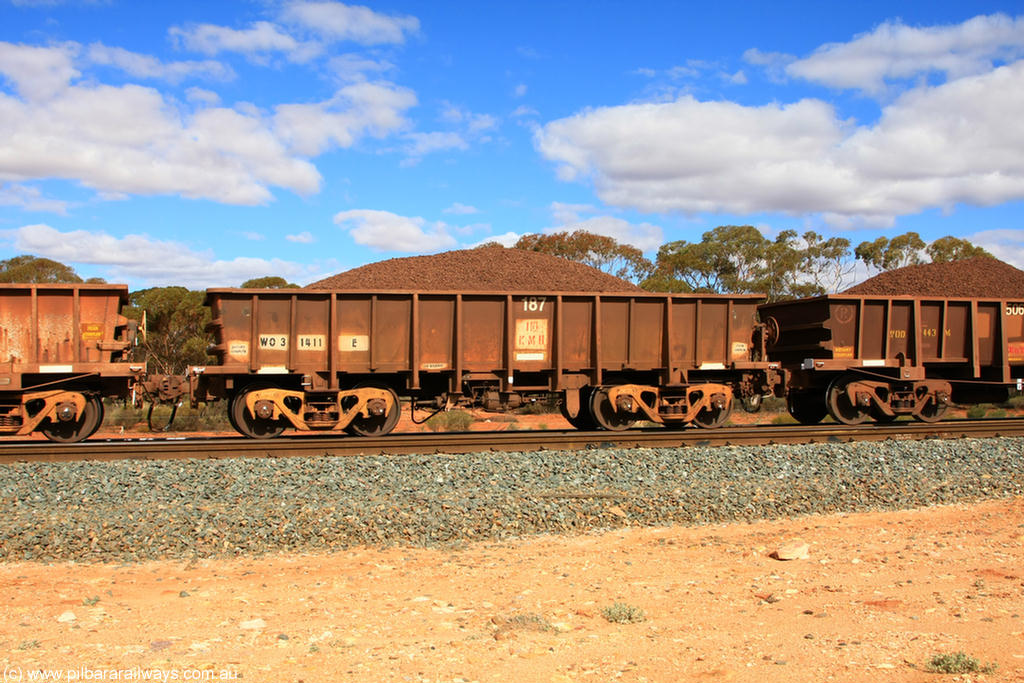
[[140, 510]]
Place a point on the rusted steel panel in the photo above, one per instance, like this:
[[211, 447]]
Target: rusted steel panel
[[44, 328], [889, 331], [270, 331]]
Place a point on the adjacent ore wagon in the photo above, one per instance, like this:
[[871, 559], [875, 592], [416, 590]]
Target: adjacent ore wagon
[[344, 360], [62, 348], [858, 357]]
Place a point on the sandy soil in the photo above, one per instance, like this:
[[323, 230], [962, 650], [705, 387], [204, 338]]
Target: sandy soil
[[878, 595]]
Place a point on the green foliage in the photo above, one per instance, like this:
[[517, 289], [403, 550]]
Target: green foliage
[[977, 411], [621, 613], [27, 268], [951, 248], [175, 335], [269, 282], [738, 258], [889, 254], [450, 421], [599, 251], [957, 663]]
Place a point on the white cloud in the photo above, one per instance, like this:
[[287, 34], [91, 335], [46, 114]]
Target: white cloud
[[336, 21], [260, 38], [933, 147], [1006, 245], [355, 110], [461, 209], [644, 236], [386, 231], [421, 144], [507, 239], [132, 140], [38, 73], [305, 237], [143, 259], [353, 67], [30, 199], [520, 90], [146, 66], [894, 51]]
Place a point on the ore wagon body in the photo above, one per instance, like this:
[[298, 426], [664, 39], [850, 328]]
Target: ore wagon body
[[62, 348], [332, 360], [861, 357]]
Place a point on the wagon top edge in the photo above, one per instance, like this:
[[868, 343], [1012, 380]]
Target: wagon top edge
[[488, 293], [888, 297]]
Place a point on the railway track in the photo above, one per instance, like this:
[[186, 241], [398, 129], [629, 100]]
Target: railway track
[[474, 442]]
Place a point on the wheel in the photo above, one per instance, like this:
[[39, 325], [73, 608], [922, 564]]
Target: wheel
[[709, 418], [604, 414], [82, 428], [376, 425], [248, 424], [583, 420], [839, 406], [933, 411], [807, 407]]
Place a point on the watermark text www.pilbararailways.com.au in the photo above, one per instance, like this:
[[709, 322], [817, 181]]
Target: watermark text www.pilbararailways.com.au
[[15, 674]]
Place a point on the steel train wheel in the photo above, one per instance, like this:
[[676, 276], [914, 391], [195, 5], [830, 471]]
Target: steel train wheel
[[248, 424], [839, 406], [583, 420], [932, 412], [376, 425], [605, 415], [82, 428], [807, 407], [710, 418]]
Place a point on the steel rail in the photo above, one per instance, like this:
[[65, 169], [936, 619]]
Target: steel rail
[[474, 442]]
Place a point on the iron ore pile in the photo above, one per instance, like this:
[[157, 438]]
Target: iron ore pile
[[973, 277], [484, 269], [139, 510]]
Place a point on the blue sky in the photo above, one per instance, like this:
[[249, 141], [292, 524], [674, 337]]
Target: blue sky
[[204, 143]]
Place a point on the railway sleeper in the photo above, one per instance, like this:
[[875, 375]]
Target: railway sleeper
[[706, 405], [308, 412]]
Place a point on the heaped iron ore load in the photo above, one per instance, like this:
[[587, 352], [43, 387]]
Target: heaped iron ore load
[[342, 360], [860, 358], [62, 348], [974, 277], [485, 269]]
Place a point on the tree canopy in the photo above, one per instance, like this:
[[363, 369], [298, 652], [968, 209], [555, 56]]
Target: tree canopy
[[601, 252], [175, 331], [269, 282], [35, 269]]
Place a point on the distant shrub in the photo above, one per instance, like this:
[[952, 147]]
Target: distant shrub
[[450, 421], [621, 613], [957, 663]]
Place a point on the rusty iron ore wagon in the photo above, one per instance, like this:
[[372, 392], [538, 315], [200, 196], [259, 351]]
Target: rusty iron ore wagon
[[344, 360], [63, 347], [868, 357]]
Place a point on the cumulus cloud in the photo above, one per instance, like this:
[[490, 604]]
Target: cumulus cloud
[[30, 199], [305, 237], [375, 109], [894, 51], [146, 66], [386, 231], [260, 38], [461, 209], [143, 259], [932, 147], [336, 21], [572, 217], [132, 140]]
